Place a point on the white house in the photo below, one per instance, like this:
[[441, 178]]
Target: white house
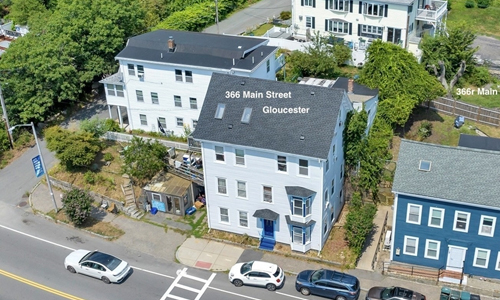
[[163, 75], [359, 22], [361, 97], [273, 159]]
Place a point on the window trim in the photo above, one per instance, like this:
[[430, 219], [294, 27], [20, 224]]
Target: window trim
[[476, 251], [497, 265], [153, 96], [179, 102], [408, 214], [218, 186], [195, 106], [239, 218], [302, 168], [238, 189], [145, 121], [216, 154], [427, 242], [163, 124], [455, 219], [430, 217], [189, 78], [220, 215], [178, 78], [140, 98], [492, 226], [177, 119], [241, 157], [406, 237], [342, 26], [264, 193], [282, 164], [131, 71]]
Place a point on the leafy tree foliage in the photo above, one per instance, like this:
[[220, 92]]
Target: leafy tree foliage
[[143, 159], [4, 139], [359, 223], [342, 54], [22, 10], [354, 136], [4, 5], [73, 149], [399, 77], [98, 127], [77, 206], [64, 51]]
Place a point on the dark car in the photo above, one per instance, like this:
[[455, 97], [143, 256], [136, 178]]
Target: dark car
[[393, 293], [328, 283]]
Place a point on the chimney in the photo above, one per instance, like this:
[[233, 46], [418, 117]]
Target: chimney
[[171, 44], [350, 86]]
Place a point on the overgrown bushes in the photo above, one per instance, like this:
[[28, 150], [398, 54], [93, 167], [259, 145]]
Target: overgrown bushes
[[359, 223], [285, 15], [77, 205], [479, 76], [470, 4], [483, 3]]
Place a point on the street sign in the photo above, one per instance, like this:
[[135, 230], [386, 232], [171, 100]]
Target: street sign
[[37, 164]]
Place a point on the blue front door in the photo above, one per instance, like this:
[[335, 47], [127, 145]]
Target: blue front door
[[269, 228]]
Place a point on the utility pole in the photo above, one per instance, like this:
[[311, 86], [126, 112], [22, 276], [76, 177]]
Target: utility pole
[[6, 118], [217, 15]]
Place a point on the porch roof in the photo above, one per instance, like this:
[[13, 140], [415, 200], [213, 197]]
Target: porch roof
[[299, 191], [299, 224], [169, 184], [266, 214]]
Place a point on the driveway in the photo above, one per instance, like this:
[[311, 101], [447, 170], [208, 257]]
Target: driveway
[[488, 47]]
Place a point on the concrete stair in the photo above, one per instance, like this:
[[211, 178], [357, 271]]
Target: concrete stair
[[267, 243], [130, 207]]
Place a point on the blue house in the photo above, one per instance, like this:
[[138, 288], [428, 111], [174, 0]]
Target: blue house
[[447, 202]]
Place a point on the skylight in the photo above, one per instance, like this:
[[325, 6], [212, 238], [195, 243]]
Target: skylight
[[424, 166], [247, 112], [220, 111]]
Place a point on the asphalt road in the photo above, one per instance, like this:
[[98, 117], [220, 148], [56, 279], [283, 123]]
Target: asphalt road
[[251, 16]]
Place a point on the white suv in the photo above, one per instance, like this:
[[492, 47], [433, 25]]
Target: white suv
[[257, 273]]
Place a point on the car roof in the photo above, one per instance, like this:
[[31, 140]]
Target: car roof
[[402, 292], [262, 266], [100, 257], [339, 277]]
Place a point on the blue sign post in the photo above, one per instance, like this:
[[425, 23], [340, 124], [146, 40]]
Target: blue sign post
[[37, 164]]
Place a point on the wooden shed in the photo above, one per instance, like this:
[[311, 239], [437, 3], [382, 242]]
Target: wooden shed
[[170, 193]]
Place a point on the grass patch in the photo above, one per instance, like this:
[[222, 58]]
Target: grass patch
[[243, 239], [337, 250], [485, 21], [91, 224], [486, 101]]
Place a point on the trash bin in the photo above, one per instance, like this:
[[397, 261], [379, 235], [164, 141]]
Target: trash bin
[[190, 210], [154, 210]]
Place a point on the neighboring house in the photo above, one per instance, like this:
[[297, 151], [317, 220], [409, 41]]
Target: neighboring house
[[447, 203], [273, 159], [7, 35], [359, 22], [164, 74], [479, 142], [361, 97]]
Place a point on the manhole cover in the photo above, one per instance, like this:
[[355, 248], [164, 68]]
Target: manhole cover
[[22, 204]]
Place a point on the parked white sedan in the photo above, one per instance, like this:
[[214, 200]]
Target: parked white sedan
[[257, 273], [97, 264]]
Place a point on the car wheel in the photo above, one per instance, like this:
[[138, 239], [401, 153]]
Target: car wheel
[[71, 269], [305, 291], [271, 287], [105, 280], [340, 298], [237, 282]]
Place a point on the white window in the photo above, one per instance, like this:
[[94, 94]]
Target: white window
[[219, 153], [326, 196], [193, 103], [268, 194], [268, 65], [154, 98], [195, 123], [308, 2], [177, 101], [119, 91], [337, 26], [371, 9], [410, 246], [413, 213], [111, 89], [189, 76], [140, 96], [297, 235], [242, 189], [282, 163], [303, 167], [371, 31], [307, 235], [224, 215], [487, 226], [163, 122], [221, 186], [178, 75], [298, 209], [497, 266], [333, 186], [243, 219], [310, 22], [240, 157], [144, 119], [140, 70], [327, 165], [307, 207], [436, 217], [432, 249], [180, 122], [481, 258], [131, 69], [115, 90], [461, 222], [339, 5]]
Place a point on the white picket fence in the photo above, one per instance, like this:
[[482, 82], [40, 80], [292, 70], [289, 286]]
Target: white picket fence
[[124, 137]]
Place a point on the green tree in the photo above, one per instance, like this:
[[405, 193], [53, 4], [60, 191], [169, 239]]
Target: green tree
[[98, 127], [22, 10], [143, 159], [354, 136], [77, 206], [73, 149], [342, 54], [359, 223]]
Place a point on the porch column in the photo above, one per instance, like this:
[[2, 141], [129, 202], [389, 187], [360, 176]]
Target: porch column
[[118, 108]]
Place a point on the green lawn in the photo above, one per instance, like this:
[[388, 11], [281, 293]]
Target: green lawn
[[486, 101], [485, 21]]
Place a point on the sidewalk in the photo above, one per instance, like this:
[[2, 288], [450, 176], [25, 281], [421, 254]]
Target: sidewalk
[[218, 256]]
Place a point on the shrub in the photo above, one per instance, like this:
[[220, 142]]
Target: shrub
[[108, 157], [470, 4], [483, 3], [359, 223], [89, 177], [77, 205], [24, 139], [285, 15], [425, 130], [479, 76]]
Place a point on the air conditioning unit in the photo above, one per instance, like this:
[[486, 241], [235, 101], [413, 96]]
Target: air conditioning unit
[[141, 75]]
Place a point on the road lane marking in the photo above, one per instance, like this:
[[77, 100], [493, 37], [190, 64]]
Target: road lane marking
[[300, 298], [39, 286], [36, 238]]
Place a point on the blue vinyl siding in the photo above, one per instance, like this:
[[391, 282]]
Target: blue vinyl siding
[[446, 235]]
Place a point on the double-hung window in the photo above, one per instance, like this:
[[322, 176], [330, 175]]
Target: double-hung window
[[338, 5], [410, 246], [371, 9], [487, 226], [267, 194], [219, 153], [461, 222], [139, 95], [193, 103], [436, 217], [298, 207], [413, 213], [154, 98], [432, 249], [224, 215], [481, 258], [180, 122], [308, 2], [189, 76], [240, 157], [144, 120], [163, 122], [310, 22], [336, 26], [243, 218], [177, 101], [140, 70], [131, 69], [282, 163], [297, 235], [242, 189], [221, 186], [303, 167], [178, 75]]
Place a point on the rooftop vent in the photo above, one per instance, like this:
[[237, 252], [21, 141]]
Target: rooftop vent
[[230, 126], [171, 44], [261, 53], [161, 55], [242, 83], [253, 59], [220, 111], [302, 137], [312, 93], [424, 165], [247, 113], [239, 47]]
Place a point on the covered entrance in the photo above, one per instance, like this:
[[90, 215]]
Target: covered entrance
[[456, 258], [268, 219]]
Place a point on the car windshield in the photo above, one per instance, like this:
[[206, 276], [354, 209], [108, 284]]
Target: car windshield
[[109, 261], [317, 275], [396, 292], [246, 267], [278, 272]]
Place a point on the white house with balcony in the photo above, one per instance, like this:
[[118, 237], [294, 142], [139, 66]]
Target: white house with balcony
[[402, 22], [163, 75], [273, 159]]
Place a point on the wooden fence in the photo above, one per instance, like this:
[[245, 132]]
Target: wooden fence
[[469, 111]]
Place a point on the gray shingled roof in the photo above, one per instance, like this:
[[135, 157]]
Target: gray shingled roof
[[279, 132], [479, 142], [266, 214], [299, 191], [460, 174], [199, 49]]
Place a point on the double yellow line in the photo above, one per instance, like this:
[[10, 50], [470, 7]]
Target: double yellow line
[[39, 286]]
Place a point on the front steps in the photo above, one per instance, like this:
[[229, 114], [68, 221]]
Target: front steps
[[267, 243]]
